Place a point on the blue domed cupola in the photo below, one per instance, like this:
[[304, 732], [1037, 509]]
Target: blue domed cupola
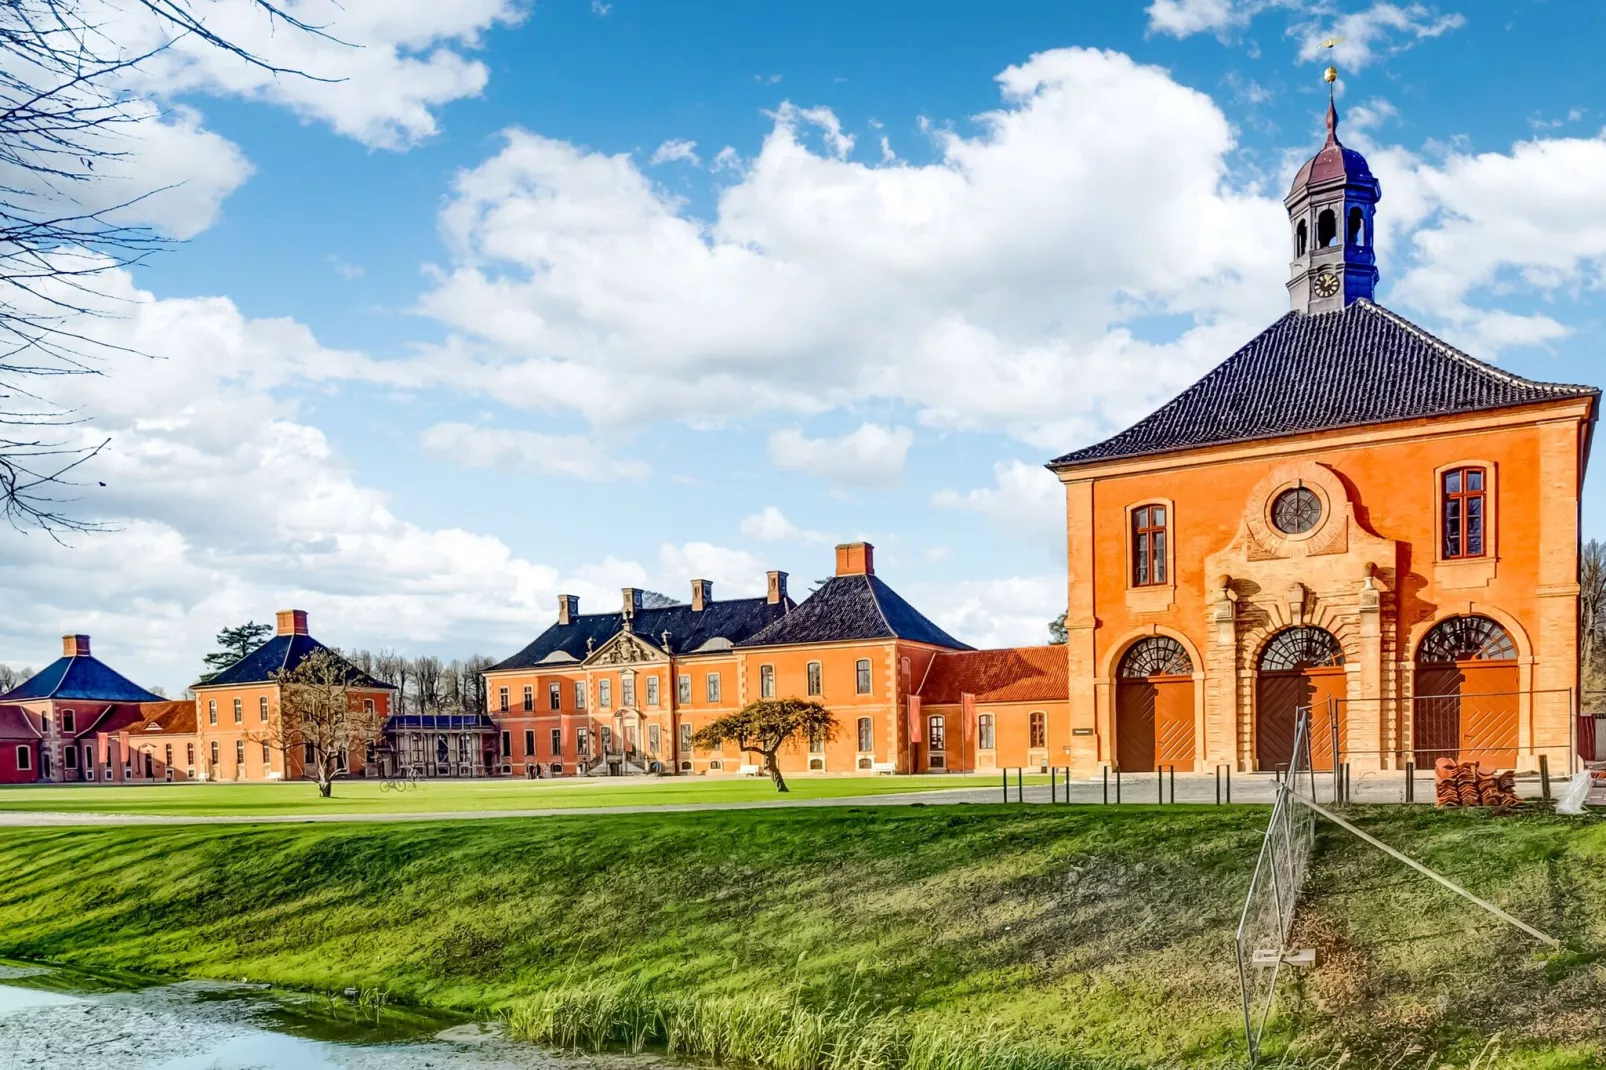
[[1330, 214]]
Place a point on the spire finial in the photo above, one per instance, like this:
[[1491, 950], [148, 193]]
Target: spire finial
[[1330, 76]]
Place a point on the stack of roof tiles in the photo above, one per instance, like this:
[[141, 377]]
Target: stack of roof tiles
[[1462, 784]]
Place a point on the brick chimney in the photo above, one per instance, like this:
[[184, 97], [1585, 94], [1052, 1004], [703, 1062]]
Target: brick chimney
[[775, 590], [75, 646], [292, 622], [855, 559], [702, 593], [568, 608]]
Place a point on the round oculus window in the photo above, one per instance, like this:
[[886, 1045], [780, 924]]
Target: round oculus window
[[1296, 511]]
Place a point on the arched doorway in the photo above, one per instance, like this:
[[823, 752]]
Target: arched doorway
[[1154, 706], [1465, 702], [1300, 668]]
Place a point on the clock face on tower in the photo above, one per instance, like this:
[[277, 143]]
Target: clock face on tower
[[1325, 284]]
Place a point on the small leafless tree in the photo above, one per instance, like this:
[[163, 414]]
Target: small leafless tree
[[10, 678], [65, 114], [427, 672], [321, 720]]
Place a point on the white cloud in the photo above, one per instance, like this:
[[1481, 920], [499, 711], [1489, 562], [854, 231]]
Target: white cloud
[[736, 573], [600, 9], [772, 525], [676, 151], [1000, 287], [571, 455], [1014, 611], [380, 72], [1382, 28], [1183, 18], [870, 455], [1026, 501], [1465, 229]]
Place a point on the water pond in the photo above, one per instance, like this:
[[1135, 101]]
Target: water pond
[[58, 1019]]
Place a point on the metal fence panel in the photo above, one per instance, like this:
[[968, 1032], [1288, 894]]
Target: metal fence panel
[[1264, 927]]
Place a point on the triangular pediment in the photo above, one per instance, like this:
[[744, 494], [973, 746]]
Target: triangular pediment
[[626, 648]]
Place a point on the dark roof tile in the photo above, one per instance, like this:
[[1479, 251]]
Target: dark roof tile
[[1317, 372], [82, 678], [854, 607], [732, 620], [280, 654]]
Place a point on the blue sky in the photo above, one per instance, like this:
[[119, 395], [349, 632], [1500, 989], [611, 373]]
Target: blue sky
[[569, 296]]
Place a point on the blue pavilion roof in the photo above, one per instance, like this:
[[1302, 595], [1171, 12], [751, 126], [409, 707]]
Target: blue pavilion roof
[[81, 678]]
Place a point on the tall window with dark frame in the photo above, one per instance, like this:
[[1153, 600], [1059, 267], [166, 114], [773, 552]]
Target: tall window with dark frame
[[1039, 730], [815, 682], [1148, 545], [861, 672], [766, 681], [1464, 512], [866, 735]]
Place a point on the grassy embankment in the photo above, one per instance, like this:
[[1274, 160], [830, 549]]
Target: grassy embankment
[[942, 938], [456, 796]]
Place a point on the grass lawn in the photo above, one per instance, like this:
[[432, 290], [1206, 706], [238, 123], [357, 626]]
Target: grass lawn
[[1098, 934], [447, 796]]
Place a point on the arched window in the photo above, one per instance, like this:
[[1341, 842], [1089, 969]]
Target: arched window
[[1326, 229], [1156, 655], [1356, 234], [1301, 648], [1465, 639], [1039, 725], [1301, 237]]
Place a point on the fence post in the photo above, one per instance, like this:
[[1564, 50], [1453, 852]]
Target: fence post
[[1544, 777], [1006, 785], [1106, 785], [1020, 784], [1118, 785], [1410, 782], [1173, 784], [1218, 783], [1159, 785], [1053, 791], [1229, 783]]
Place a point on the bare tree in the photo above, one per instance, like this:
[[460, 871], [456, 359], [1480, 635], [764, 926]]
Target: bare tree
[[1592, 614], [321, 718], [10, 678], [65, 113], [766, 725], [427, 671]]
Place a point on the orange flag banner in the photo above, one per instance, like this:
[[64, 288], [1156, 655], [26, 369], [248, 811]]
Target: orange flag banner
[[914, 719]]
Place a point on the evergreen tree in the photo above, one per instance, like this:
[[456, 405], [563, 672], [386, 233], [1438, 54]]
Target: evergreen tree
[[234, 644]]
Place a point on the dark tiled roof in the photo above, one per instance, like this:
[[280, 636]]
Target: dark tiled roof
[[282, 653], [854, 607], [15, 723], [1316, 372], [82, 678], [1022, 674], [733, 620]]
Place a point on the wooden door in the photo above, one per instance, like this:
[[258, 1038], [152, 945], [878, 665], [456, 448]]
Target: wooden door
[[1279, 696], [1466, 711], [1154, 723]]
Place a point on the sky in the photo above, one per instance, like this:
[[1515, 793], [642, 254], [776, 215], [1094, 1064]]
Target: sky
[[514, 299]]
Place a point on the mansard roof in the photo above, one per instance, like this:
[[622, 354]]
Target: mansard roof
[[717, 626], [1323, 371], [174, 718], [79, 678], [281, 654], [855, 606], [1020, 674]]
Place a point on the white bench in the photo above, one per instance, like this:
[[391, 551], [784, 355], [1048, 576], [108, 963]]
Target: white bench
[[883, 767], [750, 770]]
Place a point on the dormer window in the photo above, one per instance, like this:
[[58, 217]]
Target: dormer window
[[1464, 512]]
